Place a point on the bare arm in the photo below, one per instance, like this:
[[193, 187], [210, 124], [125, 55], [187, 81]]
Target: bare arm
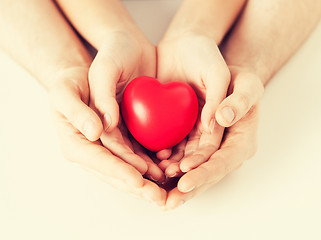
[[38, 37], [211, 18], [268, 33], [95, 19]]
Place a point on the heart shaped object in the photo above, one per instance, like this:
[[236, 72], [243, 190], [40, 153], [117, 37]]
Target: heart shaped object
[[159, 116]]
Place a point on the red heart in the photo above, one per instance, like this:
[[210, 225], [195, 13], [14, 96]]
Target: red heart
[[159, 116]]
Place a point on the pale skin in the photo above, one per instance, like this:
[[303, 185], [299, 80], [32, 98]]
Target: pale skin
[[57, 58]]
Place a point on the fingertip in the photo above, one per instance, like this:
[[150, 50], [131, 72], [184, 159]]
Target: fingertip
[[184, 167], [164, 164], [175, 198], [164, 154], [142, 167], [172, 170], [137, 181], [225, 116], [207, 118], [155, 173], [108, 110], [92, 130], [185, 188], [184, 185], [111, 116], [107, 122]]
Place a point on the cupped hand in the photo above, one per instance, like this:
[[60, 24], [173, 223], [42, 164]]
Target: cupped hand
[[239, 142], [76, 122], [195, 59], [122, 56]]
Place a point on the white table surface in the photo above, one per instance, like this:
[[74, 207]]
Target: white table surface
[[275, 195]]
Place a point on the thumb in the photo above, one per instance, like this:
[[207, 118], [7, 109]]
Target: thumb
[[247, 90], [66, 100], [103, 77], [216, 85]]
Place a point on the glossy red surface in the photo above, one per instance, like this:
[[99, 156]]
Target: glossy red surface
[[158, 115]]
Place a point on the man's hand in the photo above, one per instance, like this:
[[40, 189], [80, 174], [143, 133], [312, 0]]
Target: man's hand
[[239, 143], [69, 98]]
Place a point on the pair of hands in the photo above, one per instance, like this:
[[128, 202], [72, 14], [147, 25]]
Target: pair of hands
[[85, 103]]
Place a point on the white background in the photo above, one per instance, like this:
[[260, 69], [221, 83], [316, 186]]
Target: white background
[[275, 195]]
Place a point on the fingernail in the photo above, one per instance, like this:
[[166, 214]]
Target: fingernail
[[89, 127], [211, 126], [184, 168], [107, 121], [190, 189], [151, 178], [228, 114], [171, 175]]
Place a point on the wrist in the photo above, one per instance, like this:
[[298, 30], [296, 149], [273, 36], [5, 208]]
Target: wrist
[[96, 19], [190, 31], [211, 18], [186, 34], [121, 35]]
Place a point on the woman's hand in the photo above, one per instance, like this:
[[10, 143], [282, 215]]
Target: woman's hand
[[239, 143], [77, 122], [122, 57], [195, 59]]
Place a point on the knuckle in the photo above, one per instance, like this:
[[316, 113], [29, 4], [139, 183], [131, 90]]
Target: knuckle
[[75, 118], [212, 145], [243, 102], [126, 155], [227, 75]]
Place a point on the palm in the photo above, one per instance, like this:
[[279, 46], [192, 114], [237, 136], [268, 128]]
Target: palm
[[110, 164], [239, 144], [196, 60]]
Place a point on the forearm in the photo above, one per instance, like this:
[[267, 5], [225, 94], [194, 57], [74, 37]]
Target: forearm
[[95, 19], [207, 17], [268, 33], [38, 37]]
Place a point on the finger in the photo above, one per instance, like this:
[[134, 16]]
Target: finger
[[164, 154], [153, 172], [193, 139], [219, 165], [179, 151], [208, 144], [216, 84], [172, 169], [152, 193], [176, 198], [148, 191], [164, 164], [114, 142], [66, 100], [177, 155], [247, 91], [94, 156], [104, 75]]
